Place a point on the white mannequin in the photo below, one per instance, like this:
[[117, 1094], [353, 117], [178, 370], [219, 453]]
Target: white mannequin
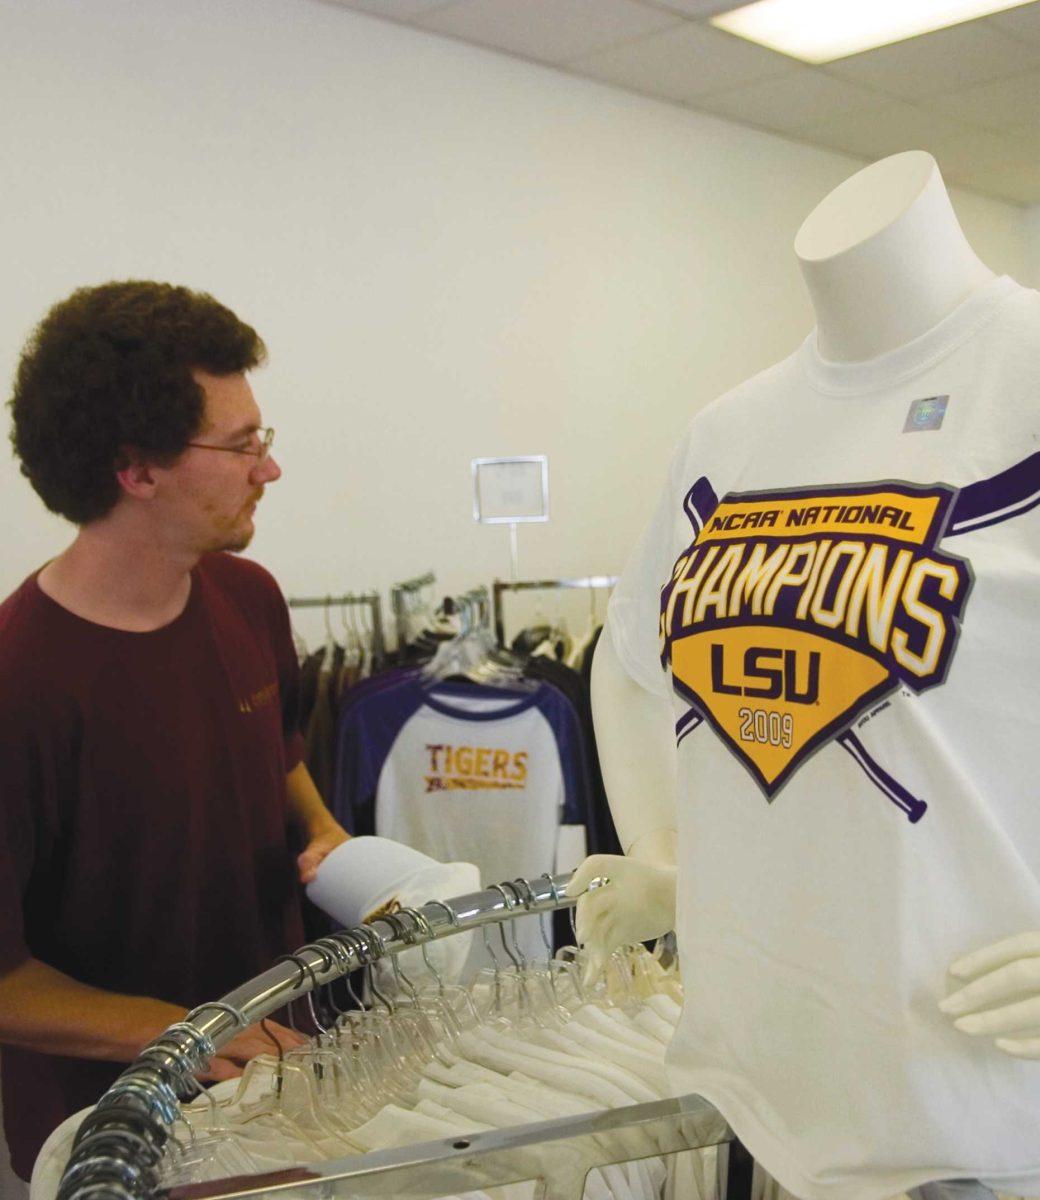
[[884, 260]]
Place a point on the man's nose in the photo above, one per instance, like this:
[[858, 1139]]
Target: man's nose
[[267, 470]]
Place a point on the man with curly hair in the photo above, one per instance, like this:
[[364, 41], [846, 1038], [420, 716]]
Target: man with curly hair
[[150, 765]]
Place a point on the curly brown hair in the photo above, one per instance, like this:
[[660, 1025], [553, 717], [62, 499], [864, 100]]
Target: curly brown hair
[[109, 370]]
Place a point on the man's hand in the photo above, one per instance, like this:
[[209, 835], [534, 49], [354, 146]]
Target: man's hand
[[318, 849], [1001, 996], [372, 875], [321, 829], [233, 1056]]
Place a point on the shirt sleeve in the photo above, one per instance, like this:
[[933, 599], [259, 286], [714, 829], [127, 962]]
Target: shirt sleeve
[[365, 736], [634, 614], [563, 721]]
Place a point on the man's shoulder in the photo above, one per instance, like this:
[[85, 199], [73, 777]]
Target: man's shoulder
[[233, 569], [231, 584], [23, 618], [28, 645], [239, 576]]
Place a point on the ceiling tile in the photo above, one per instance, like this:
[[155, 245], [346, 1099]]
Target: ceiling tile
[[684, 63], [396, 10], [1026, 142], [972, 154], [1005, 104], [1016, 182], [1021, 22], [698, 8], [789, 102], [551, 31], [886, 130], [960, 56]]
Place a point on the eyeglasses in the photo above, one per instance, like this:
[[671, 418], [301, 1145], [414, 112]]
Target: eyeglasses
[[265, 439]]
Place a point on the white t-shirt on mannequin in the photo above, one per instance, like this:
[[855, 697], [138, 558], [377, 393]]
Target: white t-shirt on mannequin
[[850, 563]]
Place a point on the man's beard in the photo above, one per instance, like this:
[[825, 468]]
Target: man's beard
[[234, 540], [239, 538], [236, 545]]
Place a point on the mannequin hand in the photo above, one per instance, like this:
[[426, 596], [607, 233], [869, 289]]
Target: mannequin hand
[[1001, 996], [638, 904]]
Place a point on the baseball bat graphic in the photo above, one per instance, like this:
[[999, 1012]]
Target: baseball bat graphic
[[887, 784]]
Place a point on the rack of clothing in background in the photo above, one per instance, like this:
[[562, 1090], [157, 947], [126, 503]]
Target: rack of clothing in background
[[346, 656], [462, 752], [590, 583], [459, 745], [435, 1090], [409, 600], [566, 662]]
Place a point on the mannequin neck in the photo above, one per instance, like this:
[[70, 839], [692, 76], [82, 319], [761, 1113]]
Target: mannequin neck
[[885, 259]]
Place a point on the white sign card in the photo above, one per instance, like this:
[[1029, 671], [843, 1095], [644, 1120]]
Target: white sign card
[[508, 491]]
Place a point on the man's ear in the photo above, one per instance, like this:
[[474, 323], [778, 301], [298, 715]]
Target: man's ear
[[135, 474]]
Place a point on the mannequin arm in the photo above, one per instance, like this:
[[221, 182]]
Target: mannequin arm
[[1001, 994], [634, 733]]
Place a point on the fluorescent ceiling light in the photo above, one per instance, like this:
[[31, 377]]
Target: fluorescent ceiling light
[[819, 31]]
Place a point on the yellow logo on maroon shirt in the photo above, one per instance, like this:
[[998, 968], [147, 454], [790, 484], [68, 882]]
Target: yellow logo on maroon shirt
[[475, 768], [259, 699], [792, 612]]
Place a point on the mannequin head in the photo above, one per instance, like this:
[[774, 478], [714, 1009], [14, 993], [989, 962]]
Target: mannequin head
[[885, 259], [864, 204]]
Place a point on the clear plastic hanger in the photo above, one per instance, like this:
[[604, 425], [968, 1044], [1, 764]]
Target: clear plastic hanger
[[299, 642], [552, 977], [351, 637], [475, 655], [438, 1022], [456, 998], [436, 1002], [371, 1059], [210, 1153], [329, 649]]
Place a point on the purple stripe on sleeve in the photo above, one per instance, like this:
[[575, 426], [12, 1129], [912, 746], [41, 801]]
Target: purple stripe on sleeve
[[892, 788], [700, 503], [999, 498]]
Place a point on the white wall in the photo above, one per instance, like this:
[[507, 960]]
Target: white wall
[[1031, 223], [449, 253]]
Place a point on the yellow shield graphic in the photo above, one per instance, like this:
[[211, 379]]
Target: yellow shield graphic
[[775, 694]]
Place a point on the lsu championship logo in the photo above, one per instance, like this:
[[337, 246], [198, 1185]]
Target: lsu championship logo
[[791, 613]]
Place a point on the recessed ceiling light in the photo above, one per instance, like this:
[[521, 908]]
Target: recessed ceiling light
[[819, 31]]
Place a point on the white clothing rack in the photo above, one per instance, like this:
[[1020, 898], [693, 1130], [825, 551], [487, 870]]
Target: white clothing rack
[[370, 601], [121, 1143], [501, 586]]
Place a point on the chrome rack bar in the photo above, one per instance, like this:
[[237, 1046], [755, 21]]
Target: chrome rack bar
[[501, 586], [569, 1147], [363, 598], [120, 1145]]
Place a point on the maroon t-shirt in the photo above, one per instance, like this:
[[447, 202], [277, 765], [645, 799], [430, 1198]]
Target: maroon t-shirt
[[143, 820]]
